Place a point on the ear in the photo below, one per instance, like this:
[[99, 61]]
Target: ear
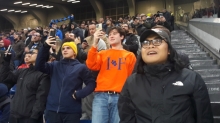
[[122, 37]]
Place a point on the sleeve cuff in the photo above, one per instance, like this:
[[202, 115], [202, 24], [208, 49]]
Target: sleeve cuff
[[46, 45], [75, 96]]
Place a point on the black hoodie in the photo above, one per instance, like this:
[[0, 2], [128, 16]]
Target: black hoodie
[[132, 43], [76, 30]]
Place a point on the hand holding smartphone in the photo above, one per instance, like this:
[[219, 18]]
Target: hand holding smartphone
[[98, 26], [51, 41], [53, 34]]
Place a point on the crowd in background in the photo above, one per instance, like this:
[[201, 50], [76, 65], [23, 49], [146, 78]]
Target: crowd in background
[[50, 65], [134, 25]]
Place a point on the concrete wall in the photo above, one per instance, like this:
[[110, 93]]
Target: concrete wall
[[28, 20], [131, 4], [33, 18], [207, 29], [152, 6]]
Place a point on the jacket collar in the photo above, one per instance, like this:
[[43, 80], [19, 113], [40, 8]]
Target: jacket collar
[[70, 61], [158, 70]]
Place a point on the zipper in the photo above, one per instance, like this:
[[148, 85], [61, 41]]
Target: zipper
[[61, 91], [163, 88], [60, 94]]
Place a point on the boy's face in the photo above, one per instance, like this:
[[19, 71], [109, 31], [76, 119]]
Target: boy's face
[[68, 52], [33, 56], [114, 37], [26, 58]]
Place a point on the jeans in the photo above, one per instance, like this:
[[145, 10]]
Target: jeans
[[54, 117], [104, 108], [5, 113]]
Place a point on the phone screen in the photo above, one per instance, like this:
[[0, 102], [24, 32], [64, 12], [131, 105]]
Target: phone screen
[[9, 48], [98, 26], [53, 33]]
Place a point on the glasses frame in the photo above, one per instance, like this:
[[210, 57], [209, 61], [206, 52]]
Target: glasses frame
[[152, 42], [31, 53]]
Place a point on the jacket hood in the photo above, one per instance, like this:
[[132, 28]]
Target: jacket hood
[[70, 61]]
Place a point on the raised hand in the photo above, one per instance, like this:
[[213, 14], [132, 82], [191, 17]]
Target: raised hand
[[51, 41]]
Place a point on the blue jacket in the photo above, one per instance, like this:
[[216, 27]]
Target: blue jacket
[[59, 34], [67, 76]]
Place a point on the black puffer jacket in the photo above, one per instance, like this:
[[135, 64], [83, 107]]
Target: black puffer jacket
[[31, 92], [163, 95], [132, 43], [76, 30]]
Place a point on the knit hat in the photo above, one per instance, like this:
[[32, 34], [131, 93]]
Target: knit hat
[[6, 43], [72, 45]]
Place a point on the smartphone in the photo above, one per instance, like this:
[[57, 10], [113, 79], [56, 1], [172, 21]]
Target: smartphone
[[53, 33], [99, 26], [9, 48]]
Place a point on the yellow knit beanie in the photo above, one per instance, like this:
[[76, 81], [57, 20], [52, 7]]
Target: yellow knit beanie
[[72, 45]]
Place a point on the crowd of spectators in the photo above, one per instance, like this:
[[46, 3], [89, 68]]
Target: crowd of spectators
[[128, 64]]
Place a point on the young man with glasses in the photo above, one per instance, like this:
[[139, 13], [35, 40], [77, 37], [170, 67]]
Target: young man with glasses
[[35, 42], [29, 102], [114, 66]]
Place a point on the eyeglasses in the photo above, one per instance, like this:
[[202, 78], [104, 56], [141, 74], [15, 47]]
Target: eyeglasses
[[155, 42]]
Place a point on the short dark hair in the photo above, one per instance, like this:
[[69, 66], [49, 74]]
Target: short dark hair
[[35, 48], [127, 25], [119, 30], [67, 40], [91, 23]]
